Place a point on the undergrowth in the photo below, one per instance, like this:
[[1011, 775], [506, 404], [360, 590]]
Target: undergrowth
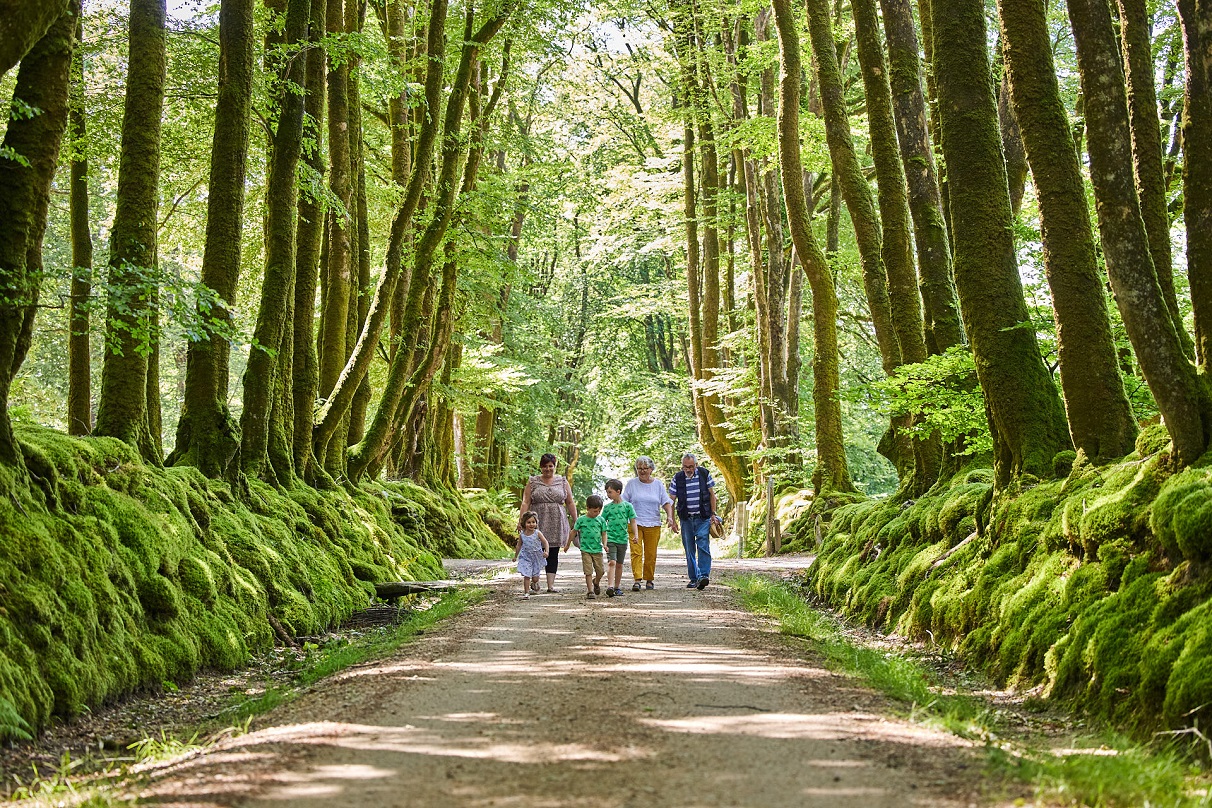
[[117, 577], [1099, 769], [1095, 588]]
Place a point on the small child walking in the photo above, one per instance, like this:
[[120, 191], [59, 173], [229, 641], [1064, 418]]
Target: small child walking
[[589, 532], [530, 551], [620, 531]]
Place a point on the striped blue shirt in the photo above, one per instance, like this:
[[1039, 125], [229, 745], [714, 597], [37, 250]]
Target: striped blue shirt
[[693, 495]]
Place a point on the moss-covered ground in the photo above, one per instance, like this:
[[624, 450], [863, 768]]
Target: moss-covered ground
[[117, 577], [1094, 588]]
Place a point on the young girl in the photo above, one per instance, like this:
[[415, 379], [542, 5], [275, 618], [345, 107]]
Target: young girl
[[530, 551]]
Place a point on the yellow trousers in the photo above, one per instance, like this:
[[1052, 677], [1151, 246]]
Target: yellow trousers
[[644, 553]]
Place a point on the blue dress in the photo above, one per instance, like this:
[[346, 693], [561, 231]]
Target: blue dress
[[530, 560]]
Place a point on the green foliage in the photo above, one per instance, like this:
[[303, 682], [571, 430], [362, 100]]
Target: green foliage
[[944, 392], [118, 577]]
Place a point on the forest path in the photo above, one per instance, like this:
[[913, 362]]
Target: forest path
[[671, 697]]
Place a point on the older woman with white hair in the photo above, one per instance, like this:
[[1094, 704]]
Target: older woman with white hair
[[648, 496]]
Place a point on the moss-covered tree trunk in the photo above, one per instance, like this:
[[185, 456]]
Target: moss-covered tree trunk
[[856, 193], [79, 354], [308, 234], [122, 408], [921, 466], [43, 82], [1125, 243], [1100, 418], [277, 285], [23, 23], [341, 398], [941, 309], [1012, 146], [206, 432], [832, 472], [405, 381], [1025, 414], [1136, 41], [1196, 19]]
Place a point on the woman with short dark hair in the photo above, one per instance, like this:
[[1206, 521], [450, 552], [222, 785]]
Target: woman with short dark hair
[[550, 497]]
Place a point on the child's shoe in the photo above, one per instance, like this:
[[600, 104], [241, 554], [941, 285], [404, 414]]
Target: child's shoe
[[590, 595], [597, 588], [611, 592]]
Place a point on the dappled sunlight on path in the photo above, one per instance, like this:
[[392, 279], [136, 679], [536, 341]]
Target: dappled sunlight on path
[[670, 697]]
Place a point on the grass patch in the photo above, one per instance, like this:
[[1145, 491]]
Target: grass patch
[[1099, 769]]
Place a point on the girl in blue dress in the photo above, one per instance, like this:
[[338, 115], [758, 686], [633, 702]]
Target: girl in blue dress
[[530, 552]]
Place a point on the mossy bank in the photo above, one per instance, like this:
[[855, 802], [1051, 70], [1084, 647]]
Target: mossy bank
[[116, 576], [1094, 588]]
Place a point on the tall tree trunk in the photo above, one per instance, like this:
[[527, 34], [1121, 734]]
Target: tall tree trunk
[[855, 191], [832, 472], [122, 409], [43, 82], [79, 354], [941, 309], [341, 397], [334, 316], [277, 287], [308, 235], [1196, 19], [1151, 185], [404, 383], [1012, 146], [1025, 414], [1100, 418], [1125, 243], [919, 457], [206, 432]]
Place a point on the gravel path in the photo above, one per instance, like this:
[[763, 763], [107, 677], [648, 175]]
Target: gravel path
[[672, 697]]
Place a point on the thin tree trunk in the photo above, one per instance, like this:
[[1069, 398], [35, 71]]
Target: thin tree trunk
[[832, 472], [855, 191], [277, 287], [404, 383], [122, 408], [207, 434], [1012, 146], [1196, 19], [308, 235], [341, 397], [79, 354], [1135, 37], [1125, 243], [1025, 414], [941, 309]]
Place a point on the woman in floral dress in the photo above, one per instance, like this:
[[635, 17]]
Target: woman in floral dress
[[550, 496]]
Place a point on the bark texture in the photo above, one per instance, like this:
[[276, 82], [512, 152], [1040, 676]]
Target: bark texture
[[1025, 414], [79, 354], [207, 435], [1196, 19], [122, 409], [1100, 418], [1125, 243]]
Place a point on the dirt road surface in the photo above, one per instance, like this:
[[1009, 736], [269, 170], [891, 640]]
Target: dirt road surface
[[671, 697]]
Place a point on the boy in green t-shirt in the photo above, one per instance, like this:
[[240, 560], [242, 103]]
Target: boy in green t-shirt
[[620, 529], [590, 532]]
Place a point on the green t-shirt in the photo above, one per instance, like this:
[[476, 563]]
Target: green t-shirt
[[590, 528], [618, 515]]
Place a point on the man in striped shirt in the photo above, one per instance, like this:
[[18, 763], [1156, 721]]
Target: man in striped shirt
[[693, 493]]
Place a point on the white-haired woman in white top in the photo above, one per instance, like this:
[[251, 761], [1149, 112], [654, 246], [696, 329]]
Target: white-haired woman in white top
[[648, 496]]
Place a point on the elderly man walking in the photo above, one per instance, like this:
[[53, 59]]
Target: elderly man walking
[[693, 493]]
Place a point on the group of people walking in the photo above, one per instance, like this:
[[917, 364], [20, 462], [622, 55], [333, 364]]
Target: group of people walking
[[632, 517]]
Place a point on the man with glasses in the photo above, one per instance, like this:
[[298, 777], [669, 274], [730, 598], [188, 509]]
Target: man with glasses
[[693, 493]]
